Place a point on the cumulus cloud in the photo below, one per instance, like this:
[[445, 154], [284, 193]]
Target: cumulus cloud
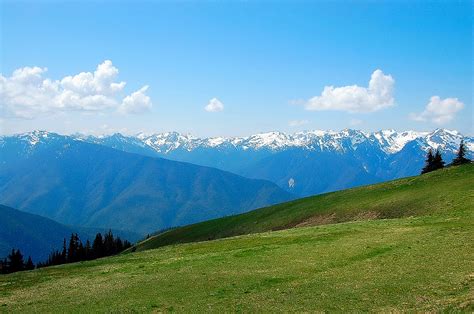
[[295, 123], [439, 110], [214, 105], [27, 93], [378, 95], [137, 102]]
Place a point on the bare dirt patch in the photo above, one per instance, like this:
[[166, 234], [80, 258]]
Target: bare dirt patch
[[317, 220], [368, 215]]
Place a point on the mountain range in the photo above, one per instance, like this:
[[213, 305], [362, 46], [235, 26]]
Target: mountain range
[[149, 182], [88, 185], [303, 163], [152, 182]]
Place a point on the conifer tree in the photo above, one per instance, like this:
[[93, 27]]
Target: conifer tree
[[80, 251], [87, 250], [98, 246], [15, 261], [74, 251], [109, 245], [460, 157], [438, 162], [3, 266], [428, 162], [64, 252], [126, 244], [118, 245], [29, 264], [71, 251]]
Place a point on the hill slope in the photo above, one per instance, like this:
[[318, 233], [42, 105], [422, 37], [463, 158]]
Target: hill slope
[[412, 264], [37, 236], [433, 192], [83, 184]]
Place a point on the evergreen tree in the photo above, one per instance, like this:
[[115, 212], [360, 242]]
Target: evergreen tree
[[15, 261], [29, 264], [118, 245], [88, 250], [64, 251], [54, 258], [109, 245], [81, 255], [438, 162], [460, 157], [98, 246], [126, 244], [75, 249], [3, 266], [71, 251], [428, 162]]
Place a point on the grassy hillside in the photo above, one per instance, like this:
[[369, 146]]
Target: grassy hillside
[[415, 263], [435, 192]]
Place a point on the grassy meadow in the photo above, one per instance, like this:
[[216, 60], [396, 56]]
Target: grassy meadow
[[419, 260]]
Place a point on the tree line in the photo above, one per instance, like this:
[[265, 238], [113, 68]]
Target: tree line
[[71, 252], [14, 262], [434, 161]]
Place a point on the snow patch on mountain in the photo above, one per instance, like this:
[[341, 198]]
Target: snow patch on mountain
[[34, 137], [390, 141]]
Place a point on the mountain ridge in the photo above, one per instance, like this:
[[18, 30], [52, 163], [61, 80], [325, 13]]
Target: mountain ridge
[[302, 163], [84, 184], [390, 140]]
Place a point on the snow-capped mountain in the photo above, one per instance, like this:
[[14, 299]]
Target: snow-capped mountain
[[390, 141], [304, 163]]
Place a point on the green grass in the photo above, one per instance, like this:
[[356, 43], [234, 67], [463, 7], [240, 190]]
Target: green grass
[[421, 262], [431, 193]]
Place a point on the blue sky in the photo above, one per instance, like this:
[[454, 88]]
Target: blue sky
[[265, 62]]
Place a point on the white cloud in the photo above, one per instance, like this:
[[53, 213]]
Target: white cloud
[[378, 95], [214, 105], [439, 110], [27, 94], [295, 123], [137, 102]]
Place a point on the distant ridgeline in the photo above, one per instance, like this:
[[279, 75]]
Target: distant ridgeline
[[303, 163]]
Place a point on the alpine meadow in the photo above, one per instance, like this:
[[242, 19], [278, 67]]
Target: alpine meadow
[[236, 157]]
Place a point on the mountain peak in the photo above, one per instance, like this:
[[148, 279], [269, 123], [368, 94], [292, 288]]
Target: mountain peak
[[389, 140], [35, 137]]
